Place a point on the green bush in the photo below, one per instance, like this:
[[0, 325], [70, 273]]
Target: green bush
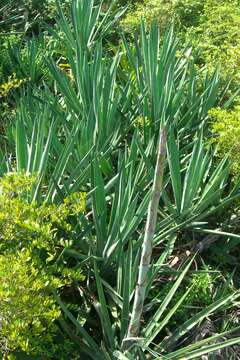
[[216, 39], [32, 238], [149, 11], [211, 26], [200, 286], [28, 310], [226, 127], [186, 13]]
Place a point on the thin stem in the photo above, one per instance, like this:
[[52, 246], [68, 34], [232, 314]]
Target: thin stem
[[140, 290]]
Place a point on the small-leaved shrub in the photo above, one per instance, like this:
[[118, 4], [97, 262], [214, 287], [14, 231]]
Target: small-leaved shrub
[[32, 236], [149, 11], [211, 27], [186, 13], [216, 40], [226, 130]]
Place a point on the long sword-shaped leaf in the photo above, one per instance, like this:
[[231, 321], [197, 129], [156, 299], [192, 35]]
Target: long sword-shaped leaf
[[103, 309], [150, 332], [189, 324], [174, 165], [96, 352], [207, 350], [199, 345], [21, 145]]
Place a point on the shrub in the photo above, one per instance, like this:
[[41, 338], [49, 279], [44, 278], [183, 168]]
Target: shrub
[[12, 83], [148, 10], [212, 27], [217, 39], [226, 126], [28, 310], [100, 134], [200, 286], [186, 13], [32, 238]]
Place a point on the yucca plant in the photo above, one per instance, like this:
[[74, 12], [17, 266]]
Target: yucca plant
[[97, 129]]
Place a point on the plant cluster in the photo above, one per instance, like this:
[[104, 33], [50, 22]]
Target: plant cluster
[[210, 27], [111, 192]]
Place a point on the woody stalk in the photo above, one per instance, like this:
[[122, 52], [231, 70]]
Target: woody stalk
[[146, 253]]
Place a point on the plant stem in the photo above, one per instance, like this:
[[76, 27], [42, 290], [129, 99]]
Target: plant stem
[[140, 290]]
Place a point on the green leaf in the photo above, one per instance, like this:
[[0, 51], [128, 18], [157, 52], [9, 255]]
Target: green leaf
[[103, 309], [21, 145], [189, 324], [153, 326], [174, 165]]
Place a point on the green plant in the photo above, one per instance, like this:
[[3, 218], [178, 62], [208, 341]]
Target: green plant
[[122, 185], [216, 37], [28, 310], [29, 16], [200, 287], [29, 274], [186, 13], [226, 129], [211, 27], [8, 15], [149, 11], [79, 133], [22, 69], [12, 83]]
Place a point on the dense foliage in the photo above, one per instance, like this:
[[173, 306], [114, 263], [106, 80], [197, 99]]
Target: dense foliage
[[32, 238], [90, 96], [211, 27]]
